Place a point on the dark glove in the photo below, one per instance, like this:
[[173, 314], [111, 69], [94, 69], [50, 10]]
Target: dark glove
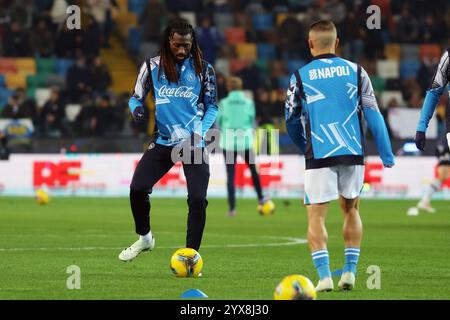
[[420, 140], [138, 115]]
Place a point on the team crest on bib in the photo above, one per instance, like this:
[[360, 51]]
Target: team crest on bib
[[190, 77]]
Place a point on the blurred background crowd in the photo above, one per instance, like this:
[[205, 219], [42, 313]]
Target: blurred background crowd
[[76, 83]]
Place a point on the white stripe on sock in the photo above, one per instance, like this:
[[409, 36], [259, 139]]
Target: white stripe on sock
[[322, 256]]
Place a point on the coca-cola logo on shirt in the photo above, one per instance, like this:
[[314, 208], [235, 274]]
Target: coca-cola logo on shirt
[[179, 92]]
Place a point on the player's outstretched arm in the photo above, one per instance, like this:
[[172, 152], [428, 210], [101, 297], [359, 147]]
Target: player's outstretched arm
[[141, 89], [375, 121], [293, 112], [432, 97]]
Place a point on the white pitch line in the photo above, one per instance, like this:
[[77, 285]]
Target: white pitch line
[[291, 242]]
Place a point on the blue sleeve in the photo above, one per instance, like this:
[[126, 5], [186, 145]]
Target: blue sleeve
[[379, 131], [429, 105], [141, 88], [209, 100], [293, 113], [133, 103]]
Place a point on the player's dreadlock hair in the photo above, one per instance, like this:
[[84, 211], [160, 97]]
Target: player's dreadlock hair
[[167, 62]]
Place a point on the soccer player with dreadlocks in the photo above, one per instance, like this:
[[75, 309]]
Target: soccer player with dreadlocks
[[183, 87]]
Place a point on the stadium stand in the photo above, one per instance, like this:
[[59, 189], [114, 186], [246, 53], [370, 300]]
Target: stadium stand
[[253, 34]]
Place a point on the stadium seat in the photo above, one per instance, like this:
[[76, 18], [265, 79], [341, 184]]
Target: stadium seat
[[281, 17], [430, 51], [62, 65], [15, 80], [7, 65], [136, 6], [388, 69], [41, 96], [56, 80], [4, 96], [134, 39], [223, 20], [222, 66], [262, 21], [293, 65], [263, 65], [409, 52], [235, 35], [385, 6], [31, 92], [387, 96], [26, 65], [392, 52], [378, 83], [46, 65], [190, 17], [246, 51], [37, 81], [236, 65], [409, 69], [72, 110], [266, 51]]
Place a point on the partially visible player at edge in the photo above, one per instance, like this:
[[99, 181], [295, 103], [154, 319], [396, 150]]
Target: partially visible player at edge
[[440, 81], [183, 86], [325, 102]]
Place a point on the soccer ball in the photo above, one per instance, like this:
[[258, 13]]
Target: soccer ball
[[42, 197], [267, 208], [186, 262], [295, 287]]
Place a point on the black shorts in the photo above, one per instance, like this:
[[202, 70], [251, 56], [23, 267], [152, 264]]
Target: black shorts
[[443, 153]]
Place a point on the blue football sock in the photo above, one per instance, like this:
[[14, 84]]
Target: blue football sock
[[351, 259], [321, 261]]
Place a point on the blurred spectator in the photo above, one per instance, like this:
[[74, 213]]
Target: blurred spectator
[[52, 115], [101, 77], [426, 72], [431, 29], [108, 120], [27, 104], [150, 20], [14, 109], [4, 151], [264, 107], [252, 77], [16, 41], [42, 42], [69, 43], [78, 80], [292, 44], [351, 37], [209, 39], [407, 27], [222, 90], [92, 38]]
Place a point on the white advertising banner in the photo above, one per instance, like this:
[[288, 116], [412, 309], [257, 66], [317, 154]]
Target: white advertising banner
[[281, 177]]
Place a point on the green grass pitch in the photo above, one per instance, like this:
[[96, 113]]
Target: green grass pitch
[[244, 256]]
